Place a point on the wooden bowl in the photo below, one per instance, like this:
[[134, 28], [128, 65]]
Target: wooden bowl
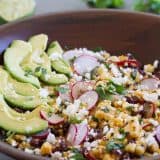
[[116, 31]]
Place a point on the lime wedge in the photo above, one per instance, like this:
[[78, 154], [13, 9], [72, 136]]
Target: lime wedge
[[11, 10]]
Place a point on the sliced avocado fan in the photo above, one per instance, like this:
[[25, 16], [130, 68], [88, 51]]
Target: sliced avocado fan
[[14, 9], [14, 92], [55, 52], [16, 124], [13, 57], [39, 64]]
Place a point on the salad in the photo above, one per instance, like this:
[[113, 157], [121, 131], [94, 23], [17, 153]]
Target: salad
[[78, 104]]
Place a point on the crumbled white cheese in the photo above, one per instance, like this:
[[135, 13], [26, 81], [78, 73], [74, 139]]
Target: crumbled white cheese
[[156, 63], [115, 70], [55, 56], [37, 151], [150, 140], [13, 143], [120, 80], [88, 75], [58, 101], [92, 133], [44, 93], [152, 97], [77, 78], [28, 151], [91, 145], [82, 113], [153, 122], [51, 138], [56, 156], [105, 129], [72, 108]]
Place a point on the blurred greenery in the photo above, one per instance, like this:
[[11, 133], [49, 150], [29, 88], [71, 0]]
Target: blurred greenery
[[152, 6]]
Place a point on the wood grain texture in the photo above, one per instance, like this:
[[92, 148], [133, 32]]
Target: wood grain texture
[[116, 31]]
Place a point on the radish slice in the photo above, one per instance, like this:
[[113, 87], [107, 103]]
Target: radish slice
[[79, 88], [41, 135], [71, 54], [90, 98], [53, 119], [85, 64], [72, 134], [149, 84], [82, 131], [158, 134], [67, 95]]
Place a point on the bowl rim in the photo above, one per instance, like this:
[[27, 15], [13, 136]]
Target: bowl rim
[[14, 152], [82, 11]]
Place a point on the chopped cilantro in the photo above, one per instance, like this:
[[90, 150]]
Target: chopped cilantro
[[40, 71], [129, 108], [95, 119], [113, 145], [107, 90], [106, 65], [28, 73], [77, 155], [134, 74], [74, 120], [105, 109], [62, 90], [97, 49]]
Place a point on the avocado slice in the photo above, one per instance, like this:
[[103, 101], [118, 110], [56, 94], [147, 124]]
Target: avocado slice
[[15, 124], [58, 63], [39, 64], [13, 57], [18, 98], [13, 10]]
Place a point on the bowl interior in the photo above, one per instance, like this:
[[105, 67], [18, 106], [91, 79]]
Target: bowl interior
[[116, 31]]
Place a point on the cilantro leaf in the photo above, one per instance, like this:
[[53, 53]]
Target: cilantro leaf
[[77, 155], [74, 120], [113, 145], [62, 90]]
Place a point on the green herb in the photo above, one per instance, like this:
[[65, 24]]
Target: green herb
[[95, 119], [74, 120], [130, 108], [40, 71], [77, 155], [28, 73], [97, 49], [106, 110], [134, 74], [106, 3], [113, 145], [123, 133], [107, 65], [106, 91], [62, 90], [147, 6], [140, 120]]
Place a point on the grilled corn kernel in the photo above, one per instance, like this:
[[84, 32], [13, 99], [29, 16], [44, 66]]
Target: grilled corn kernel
[[139, 150], [46, 149], [131, 147]]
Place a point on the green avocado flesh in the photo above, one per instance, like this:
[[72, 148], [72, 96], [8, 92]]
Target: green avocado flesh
[[13, 57], [58, 64], [11, 120], [38, 58], [14, 9], [17, 93]]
